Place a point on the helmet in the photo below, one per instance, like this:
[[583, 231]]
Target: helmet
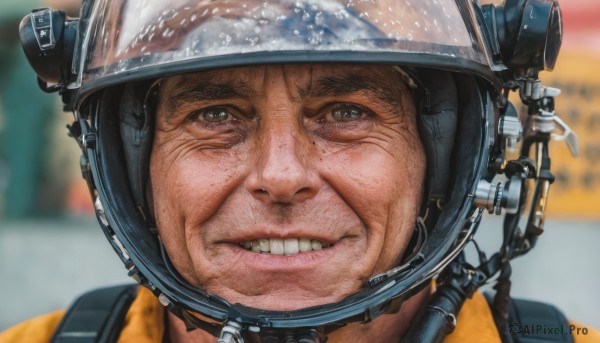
[[460, 57]]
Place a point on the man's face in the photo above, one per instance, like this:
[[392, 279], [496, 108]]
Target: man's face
[[287, 186]]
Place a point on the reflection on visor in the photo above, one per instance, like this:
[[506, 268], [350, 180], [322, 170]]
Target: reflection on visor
[[127, 35]]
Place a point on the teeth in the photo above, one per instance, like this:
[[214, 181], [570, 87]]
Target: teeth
[[288, 246], [304, 245], [255, 246], [264, 244], [277, 246]]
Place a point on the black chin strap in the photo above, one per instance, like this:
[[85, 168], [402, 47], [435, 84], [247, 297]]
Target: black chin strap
[[413, 258], [284, 336]]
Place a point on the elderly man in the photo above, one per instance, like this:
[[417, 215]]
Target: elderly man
[[300, 171], [291, 216]]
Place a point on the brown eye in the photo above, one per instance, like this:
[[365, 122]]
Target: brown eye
[[347, 113], [215, 114]]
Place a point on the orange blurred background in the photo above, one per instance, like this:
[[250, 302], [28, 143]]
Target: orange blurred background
[[576, 193]]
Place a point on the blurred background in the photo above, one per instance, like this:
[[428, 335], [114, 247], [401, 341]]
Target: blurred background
[[51, 248]]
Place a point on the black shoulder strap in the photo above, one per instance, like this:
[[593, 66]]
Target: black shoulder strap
[[535, 322], [96, 316]]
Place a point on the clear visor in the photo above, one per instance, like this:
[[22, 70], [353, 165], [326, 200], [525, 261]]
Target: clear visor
[[147, 37]]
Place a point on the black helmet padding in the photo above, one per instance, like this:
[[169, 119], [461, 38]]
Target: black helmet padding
[[437, 122]]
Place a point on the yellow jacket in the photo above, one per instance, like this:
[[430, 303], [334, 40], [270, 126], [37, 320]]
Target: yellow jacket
[[144, 323]]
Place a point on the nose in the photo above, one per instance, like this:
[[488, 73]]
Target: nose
[[283, 171]]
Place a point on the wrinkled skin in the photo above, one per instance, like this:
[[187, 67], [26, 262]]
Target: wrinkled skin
[[326, 152]]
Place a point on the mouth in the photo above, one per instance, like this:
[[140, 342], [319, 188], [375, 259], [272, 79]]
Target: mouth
[[284, 246]]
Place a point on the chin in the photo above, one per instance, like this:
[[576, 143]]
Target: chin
[[286, 302]]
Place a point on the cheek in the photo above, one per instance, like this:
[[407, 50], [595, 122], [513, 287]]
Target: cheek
[[376, 175], [189, 184], [383, 183]]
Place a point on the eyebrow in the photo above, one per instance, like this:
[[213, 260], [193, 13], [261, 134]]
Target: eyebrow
[[353, 83], [339, 85], [208, 91]]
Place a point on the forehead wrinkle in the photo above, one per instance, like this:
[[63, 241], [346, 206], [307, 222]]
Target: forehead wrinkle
[[291, 79], [301, 85]]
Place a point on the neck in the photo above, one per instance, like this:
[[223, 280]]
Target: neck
[[386, 328]]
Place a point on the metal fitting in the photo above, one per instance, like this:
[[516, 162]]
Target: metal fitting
[[543, 122], [495, 197], [510, 128], [309, 336], [231, 333], [511, 195], [135, 274], [549, 122], [534, 90], [163, 300], [100, 211], [485, 195], [88, 140]]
